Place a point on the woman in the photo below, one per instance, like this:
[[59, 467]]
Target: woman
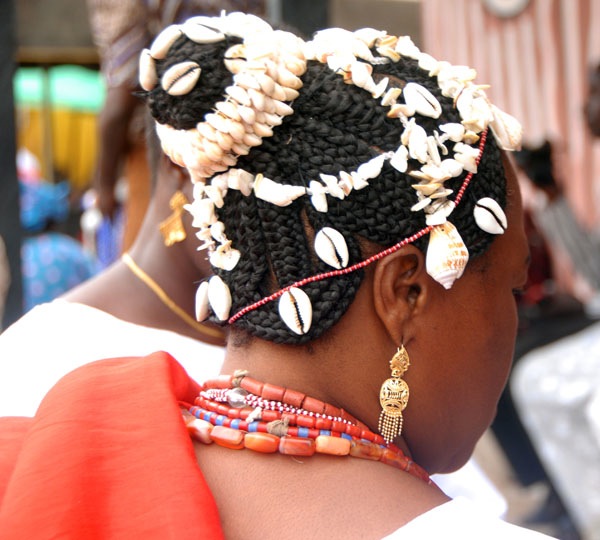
[[340, 187]]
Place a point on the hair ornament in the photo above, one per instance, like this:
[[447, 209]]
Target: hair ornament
[[266, 69], [181, 78], [489, 216], [295, 310], [447, 256], [162, 43], [202, 307], [332, 47], [147, 71], [219, 297], [331, 247]]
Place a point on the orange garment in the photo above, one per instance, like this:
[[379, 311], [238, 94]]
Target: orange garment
[[107, 456]]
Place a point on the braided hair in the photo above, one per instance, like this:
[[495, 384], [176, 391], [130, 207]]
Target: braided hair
[[335, 127]]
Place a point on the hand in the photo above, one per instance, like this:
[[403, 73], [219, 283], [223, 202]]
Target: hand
[[106, 201]]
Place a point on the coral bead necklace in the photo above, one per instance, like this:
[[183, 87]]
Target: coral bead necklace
[[236, 411]]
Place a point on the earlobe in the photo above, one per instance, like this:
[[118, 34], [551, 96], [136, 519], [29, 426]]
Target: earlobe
[[399, 290]]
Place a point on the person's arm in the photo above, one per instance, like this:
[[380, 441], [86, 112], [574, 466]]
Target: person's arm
[[119, 30], [113, 129]]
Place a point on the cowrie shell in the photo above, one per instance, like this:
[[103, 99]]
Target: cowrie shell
[[238, 94], [248, 114], [296, 66], [246, 81], [281, 108], [251, 139], [162, 43], [219, 297], [202, 307], [287, 79], [290, 93], [421, 100], [200, 33], [228, 109], [331, 247], [262, 130], [506, 129], [489, 216], [147, 71], [181, 78], [295, 310], [275, 193], [225, 259]]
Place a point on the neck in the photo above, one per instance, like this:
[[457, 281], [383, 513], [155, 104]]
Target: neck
[[238, 411], [327, 368], [170, 279]]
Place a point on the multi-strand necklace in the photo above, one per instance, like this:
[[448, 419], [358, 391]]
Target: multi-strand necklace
[[237, 411]]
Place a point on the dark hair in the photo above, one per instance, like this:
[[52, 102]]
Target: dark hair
[[335, 127], [536, 163]]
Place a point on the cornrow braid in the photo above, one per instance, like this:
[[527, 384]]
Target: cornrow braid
[[335, 128]]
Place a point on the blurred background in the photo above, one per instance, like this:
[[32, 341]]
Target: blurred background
[[539, 56]]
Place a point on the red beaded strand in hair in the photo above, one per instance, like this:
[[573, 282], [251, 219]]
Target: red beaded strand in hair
[[268, 418], [366, 262]]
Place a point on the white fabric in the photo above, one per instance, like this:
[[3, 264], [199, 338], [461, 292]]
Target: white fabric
[[556, 389], [471, 482], [31, 362], [460, 519]]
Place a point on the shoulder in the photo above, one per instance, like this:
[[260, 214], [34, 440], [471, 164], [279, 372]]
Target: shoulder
[[461, 520]]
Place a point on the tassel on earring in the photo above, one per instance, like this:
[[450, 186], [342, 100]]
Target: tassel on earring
[[172, 229], [393, 397]]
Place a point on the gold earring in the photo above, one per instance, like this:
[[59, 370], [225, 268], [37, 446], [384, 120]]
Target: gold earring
[[172, 229], [393, 397]]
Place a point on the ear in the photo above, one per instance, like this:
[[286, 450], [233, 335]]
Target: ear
[[400, 288]]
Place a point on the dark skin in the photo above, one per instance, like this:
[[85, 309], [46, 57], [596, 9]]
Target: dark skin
[[113, 132], [177, 269], [460, 344]]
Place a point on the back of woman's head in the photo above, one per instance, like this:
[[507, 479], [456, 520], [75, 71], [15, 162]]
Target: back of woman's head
[[311, 160]]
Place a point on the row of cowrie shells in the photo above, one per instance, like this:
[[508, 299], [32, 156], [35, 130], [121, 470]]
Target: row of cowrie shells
[[295, 307], [417, 99], [341, 49], [208, 197], [447, 255]]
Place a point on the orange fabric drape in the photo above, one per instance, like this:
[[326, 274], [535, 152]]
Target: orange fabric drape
[[537, 64], [107, 456]]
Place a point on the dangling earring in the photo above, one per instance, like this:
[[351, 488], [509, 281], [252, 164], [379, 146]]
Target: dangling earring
[[172, 229], [393, 397]]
